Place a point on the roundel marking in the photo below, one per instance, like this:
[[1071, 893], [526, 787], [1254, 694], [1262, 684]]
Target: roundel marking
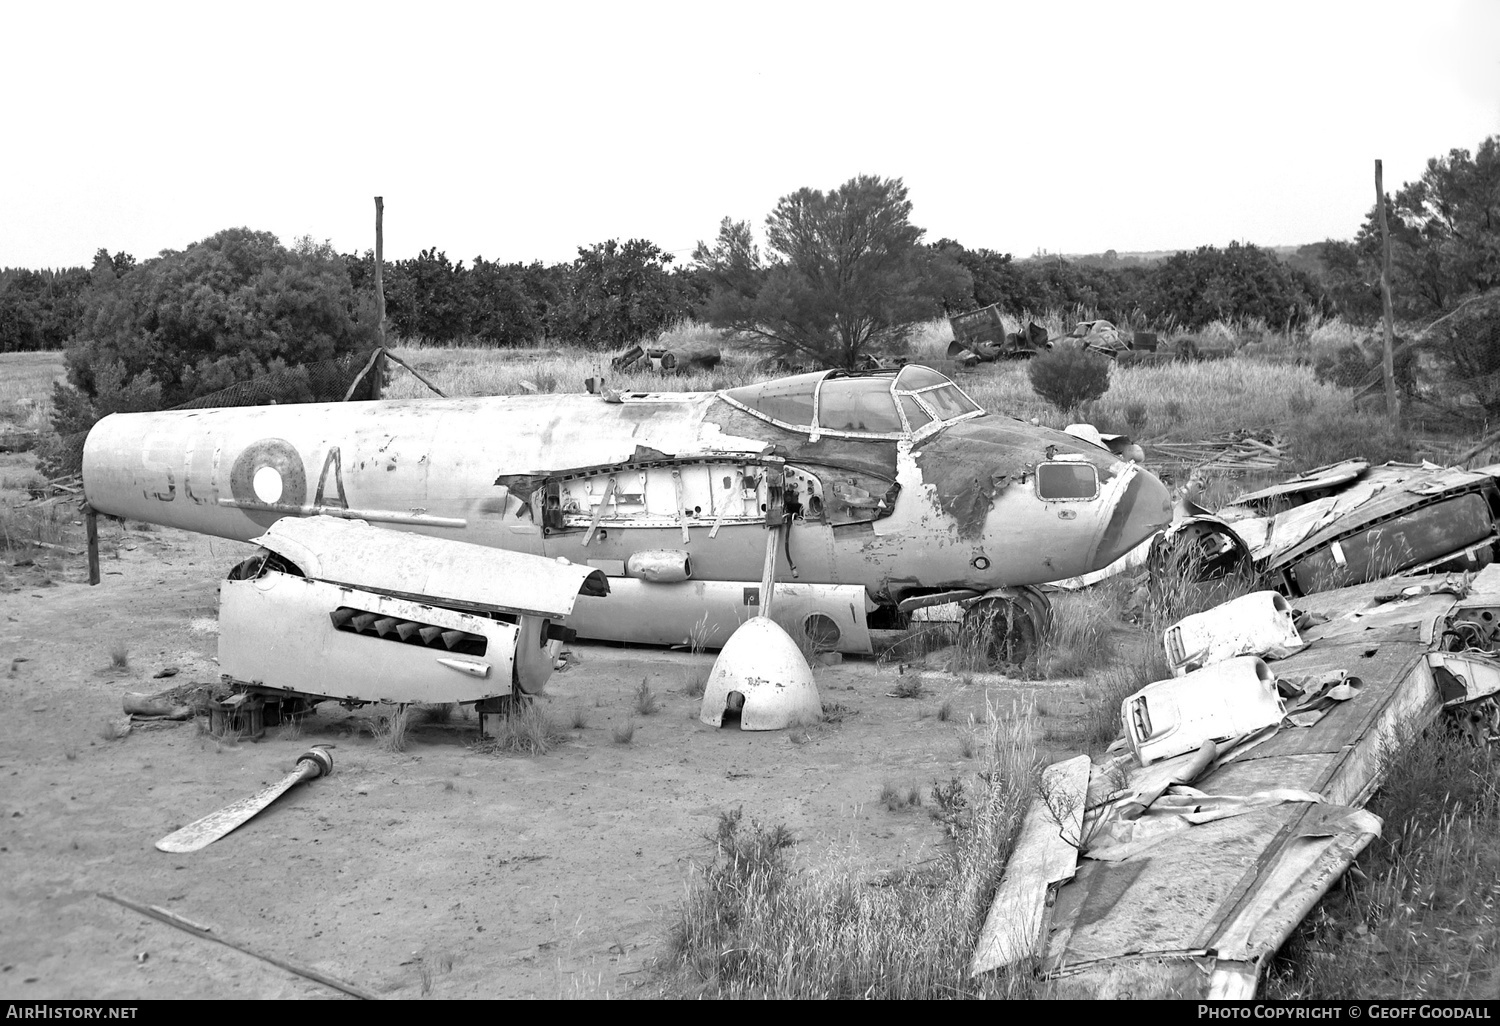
[[269, 471]]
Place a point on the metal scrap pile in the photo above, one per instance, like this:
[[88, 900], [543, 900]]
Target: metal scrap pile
[[1179, 863]]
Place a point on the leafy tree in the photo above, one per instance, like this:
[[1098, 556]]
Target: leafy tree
[[622, 293], [1351, 281], [1239, 281], [732, 265], [847, 277], [1097, 287], [996, 277], [226, 309], [1445, 239], [429, 298], [39, 309], [509, 303], [1068, 376]]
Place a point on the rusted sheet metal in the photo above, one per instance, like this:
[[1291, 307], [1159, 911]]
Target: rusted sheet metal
[[1377, 494], [1350, 524], [1195, 895], [444, 572], [1305, 487]]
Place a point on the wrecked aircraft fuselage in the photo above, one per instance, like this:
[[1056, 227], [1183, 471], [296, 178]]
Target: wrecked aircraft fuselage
[[896, 483], [1340, 525]]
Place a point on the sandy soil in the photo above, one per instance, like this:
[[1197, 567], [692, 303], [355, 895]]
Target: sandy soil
[[434, 870]]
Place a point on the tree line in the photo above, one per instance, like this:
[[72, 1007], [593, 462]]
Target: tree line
[[843, 274], [616, 292]]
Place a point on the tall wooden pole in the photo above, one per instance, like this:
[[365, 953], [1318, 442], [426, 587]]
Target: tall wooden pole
[[1388, 358], [91, 529], [380, 266]]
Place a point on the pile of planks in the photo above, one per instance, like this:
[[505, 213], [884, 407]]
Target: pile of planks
[[1236, 451], [68, 487]]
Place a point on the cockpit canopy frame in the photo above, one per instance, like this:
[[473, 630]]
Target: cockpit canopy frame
[[905, 405]]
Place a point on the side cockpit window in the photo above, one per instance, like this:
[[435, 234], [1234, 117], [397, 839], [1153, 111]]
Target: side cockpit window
[[858, 404], [788, 400]]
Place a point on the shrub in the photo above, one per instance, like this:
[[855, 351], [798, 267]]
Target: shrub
[[229, 308], [1069, 376]]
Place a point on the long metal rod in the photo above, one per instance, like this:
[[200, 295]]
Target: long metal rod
[[768, 575], [198, 930]]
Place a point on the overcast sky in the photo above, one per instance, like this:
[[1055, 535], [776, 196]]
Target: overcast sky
[[521, 131]]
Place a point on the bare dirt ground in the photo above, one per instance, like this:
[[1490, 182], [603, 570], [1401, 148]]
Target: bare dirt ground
[[437, 870]]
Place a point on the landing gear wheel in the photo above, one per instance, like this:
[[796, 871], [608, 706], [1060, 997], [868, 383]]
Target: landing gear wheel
[[1009, 631]]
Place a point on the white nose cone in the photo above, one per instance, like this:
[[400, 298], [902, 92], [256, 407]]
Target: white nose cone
[[761, 673]]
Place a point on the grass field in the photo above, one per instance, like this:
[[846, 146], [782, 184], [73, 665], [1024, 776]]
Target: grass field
[[25, 405], [1179, 401], [26, 389]]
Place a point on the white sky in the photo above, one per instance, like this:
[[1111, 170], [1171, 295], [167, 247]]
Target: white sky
[[521, 131]]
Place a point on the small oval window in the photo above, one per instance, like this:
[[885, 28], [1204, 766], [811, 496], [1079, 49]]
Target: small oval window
[[1067, 481]]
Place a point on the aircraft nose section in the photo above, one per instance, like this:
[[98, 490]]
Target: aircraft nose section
[[1144, 509]]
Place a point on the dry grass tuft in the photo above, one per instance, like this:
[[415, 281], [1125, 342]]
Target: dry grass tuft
[[896, 798], [645, 701], [624, 733], [695, 681], [909, 686], [755, 925], [525, 730], [393, 729]]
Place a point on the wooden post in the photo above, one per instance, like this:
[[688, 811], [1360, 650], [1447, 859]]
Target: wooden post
[[379, 266], [1387, 358], [91, 528]]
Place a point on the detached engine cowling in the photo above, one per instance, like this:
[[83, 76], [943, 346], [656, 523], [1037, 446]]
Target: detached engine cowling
[[339, 609]]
